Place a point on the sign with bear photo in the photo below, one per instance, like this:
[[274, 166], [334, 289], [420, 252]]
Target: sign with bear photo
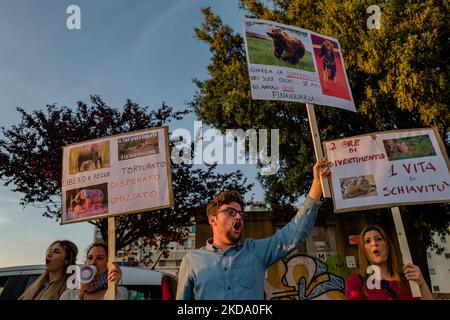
[[293, 64], [388, 169], [116, 175]]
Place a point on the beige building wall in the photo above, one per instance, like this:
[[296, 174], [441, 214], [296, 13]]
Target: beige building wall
[[439, 268]]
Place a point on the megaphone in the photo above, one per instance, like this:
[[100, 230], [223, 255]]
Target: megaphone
[[87, 273]]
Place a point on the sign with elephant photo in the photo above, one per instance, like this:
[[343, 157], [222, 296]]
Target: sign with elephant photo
[[388, 169], [116, 175], [293, 64]]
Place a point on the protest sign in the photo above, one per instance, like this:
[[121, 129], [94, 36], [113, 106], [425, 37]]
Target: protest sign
[[116, 175], [293, 64], [388, 169]]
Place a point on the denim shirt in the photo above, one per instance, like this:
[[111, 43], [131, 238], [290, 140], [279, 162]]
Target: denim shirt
[[238, 273]]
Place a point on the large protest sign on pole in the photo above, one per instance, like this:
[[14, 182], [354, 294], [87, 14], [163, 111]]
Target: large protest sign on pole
[[294, 64], [388, 169], [287, 63], [116, 175]]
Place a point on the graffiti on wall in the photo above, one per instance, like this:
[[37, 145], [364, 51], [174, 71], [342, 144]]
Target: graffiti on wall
[[302, 277]]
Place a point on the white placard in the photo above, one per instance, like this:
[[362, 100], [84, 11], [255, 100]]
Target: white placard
[[122, 174], [293, 64], [388, 169]]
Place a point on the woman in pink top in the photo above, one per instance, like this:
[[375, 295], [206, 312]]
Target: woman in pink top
[[375, 248]]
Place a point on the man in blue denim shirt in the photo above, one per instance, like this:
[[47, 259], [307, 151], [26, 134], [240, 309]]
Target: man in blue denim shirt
[[226, 269]]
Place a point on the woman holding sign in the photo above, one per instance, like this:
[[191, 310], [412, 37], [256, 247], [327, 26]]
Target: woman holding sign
[[97, 255], [376, 253], [52, 282]]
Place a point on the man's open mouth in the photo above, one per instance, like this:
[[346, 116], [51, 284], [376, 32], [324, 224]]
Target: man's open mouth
[[237, 226]]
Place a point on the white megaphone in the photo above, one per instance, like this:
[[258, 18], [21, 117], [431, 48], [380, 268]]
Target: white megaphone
[[87, 273]]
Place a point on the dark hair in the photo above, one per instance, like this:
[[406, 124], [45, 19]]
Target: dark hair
[[98, 244], [222, 198]]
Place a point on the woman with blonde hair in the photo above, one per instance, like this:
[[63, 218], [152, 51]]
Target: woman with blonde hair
[[375, 248], [52, 282]]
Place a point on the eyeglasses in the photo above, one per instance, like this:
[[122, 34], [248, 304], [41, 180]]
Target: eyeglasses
[[392, 293], [232, 212]]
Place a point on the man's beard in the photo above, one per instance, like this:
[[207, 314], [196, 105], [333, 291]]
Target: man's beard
[[233, 238]]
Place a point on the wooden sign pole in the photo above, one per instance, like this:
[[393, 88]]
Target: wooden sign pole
[[111, 292], [317, 146], [404, 248]]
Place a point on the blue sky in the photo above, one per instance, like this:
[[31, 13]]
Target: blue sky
[[141, 49]]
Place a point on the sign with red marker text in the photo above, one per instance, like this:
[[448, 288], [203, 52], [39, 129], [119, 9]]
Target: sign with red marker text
[[293, 64], [122, 174], [388, 169]]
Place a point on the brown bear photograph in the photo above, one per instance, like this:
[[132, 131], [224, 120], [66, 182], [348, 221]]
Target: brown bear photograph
[[278, 46], [330, 67], [287, 47], [328, 62]]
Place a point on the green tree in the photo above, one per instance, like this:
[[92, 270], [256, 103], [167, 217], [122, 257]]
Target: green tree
[[398, 75], [31, 162]]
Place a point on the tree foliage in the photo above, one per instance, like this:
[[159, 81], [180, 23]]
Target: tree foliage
[[31, 162], [399, 76]]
